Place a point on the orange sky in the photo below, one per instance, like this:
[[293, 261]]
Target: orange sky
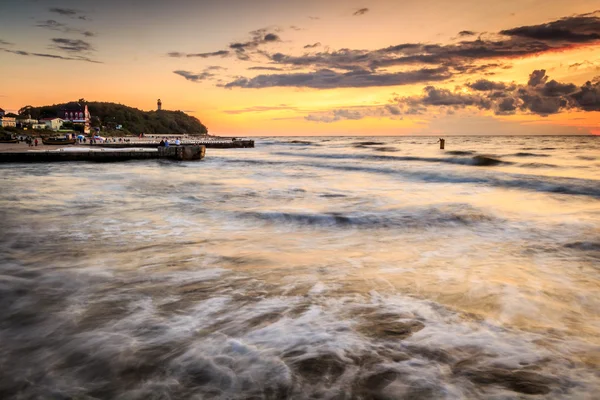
[[367, 89]]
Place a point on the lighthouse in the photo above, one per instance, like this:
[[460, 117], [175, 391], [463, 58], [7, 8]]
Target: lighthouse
[[159, 104]]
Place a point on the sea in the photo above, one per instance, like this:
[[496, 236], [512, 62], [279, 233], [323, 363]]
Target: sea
[[307, 267]]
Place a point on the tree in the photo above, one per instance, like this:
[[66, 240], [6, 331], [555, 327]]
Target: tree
[[25, 110]]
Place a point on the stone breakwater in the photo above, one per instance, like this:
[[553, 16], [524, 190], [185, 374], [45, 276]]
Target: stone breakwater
[[181, 153]]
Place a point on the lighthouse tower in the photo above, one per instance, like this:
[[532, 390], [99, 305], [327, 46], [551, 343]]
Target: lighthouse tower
[[159, 104]]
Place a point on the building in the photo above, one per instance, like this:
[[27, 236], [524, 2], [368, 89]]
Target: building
[[77, 113], [53, 123], [159, 105], [2, 112], [24, 122], [8, 121]]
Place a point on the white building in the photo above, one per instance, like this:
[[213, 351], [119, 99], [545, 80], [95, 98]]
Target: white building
[[8, 121], [53, 123]]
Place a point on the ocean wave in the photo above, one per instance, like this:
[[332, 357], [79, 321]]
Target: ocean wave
[[538, 165], [525, 154], [548, 184], [368, 143], [304, 142], [411, 218], [479, 160], [460, 152], [585, 246]]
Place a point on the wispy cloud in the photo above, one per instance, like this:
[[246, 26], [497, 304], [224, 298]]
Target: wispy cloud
[[265, 69], [242, 50], [201, 76], [53, 56], [68, 12], [329, 79], [72, 45], [59, 26], [312, 46], [5, 43], [466, 33], [361, 11]]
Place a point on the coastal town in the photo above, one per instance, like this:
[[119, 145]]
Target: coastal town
[[69, 132], [74, 115]]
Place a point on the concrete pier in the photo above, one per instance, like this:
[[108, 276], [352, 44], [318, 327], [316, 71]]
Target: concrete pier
[[209, 144], [180, 153]]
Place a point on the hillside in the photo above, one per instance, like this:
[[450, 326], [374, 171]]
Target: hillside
[[132, 120]]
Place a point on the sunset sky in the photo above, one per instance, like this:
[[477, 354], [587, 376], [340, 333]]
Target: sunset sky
[[307, 67]]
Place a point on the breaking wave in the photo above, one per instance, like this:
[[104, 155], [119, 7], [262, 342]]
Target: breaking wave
[[409, 218]]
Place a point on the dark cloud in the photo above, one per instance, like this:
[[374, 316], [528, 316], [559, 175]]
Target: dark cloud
[[59, 26], [485, 85], [265, 69], [443, 97], [259, 37], [587, 97], [328, 79], [54, 56], [312, 46], [67, 12], [190, 76], [466, 33], [539, 95], [361, 11], [5, 43], [577, 29], [72, 45], [393, 110], [506, 106], [463, 57], [220, 53], [202, 76], [242, 50], [537, 77], [296, 28]]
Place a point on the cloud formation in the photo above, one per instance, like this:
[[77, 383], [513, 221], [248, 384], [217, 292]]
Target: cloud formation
[[5, 43], [199, 77], [265, 69], [242, 50], [361, 11], [328, 79], [312, 46], [72, 45], [481, 55], [54, 56], [539, 96], [58, 26], [68, 12]]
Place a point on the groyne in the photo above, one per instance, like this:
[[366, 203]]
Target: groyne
[[180, 153]]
